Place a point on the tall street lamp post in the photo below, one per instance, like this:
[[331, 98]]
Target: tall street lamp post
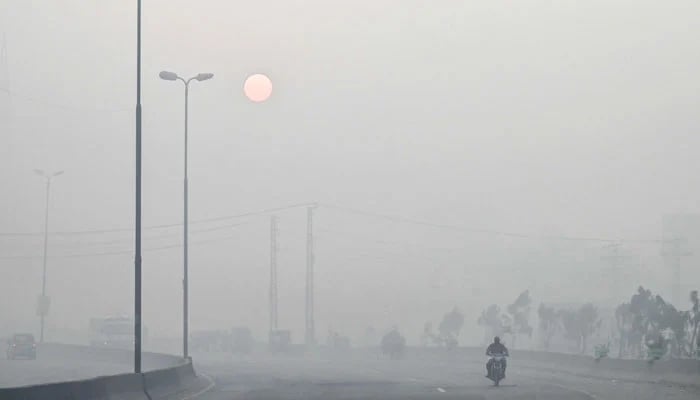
[[137, 202], [171, 76]]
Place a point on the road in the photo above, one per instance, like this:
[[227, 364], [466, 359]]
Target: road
[[375, 378], [355, 376]]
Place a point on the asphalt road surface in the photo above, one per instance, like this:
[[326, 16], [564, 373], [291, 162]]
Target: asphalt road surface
[[359, 377], [376, 378]]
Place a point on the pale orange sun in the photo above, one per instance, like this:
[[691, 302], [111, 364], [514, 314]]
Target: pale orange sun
[[257, 88]]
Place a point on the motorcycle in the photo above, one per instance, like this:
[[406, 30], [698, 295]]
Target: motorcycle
[[496, 371]]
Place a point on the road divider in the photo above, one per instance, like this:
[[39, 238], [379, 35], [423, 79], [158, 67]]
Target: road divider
[[175, 376]]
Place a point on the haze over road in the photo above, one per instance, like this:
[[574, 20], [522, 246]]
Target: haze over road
[[355, 378]]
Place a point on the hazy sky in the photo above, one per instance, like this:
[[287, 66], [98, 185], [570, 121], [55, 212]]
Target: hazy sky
[[574, 118]]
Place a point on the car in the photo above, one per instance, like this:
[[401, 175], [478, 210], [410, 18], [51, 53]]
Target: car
[[21, 345]]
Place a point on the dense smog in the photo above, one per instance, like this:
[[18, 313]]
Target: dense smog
[[389, 199]]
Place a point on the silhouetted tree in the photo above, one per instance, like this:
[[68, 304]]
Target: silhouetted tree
[[450, 327], [694, 319], [652, 318], [623, 319], [427, 336], [492, 320], [548, 324], [520, 314], [393, 344], [668, 319], [589, 323], [580, 324], [569, 324]]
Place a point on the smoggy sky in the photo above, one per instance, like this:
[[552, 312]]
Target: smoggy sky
[[569, 118]]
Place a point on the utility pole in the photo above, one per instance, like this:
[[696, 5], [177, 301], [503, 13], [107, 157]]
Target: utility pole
[[310, 335], [44, 302], [137, 192], [673, 251], [273, 275]]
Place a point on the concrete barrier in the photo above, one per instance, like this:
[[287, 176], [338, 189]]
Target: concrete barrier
[[70, 352], [177, 376], [163, 383], [54, 391], [117, 387]]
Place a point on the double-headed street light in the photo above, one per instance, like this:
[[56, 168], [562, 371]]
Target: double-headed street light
[[43, 306], [171, 76]]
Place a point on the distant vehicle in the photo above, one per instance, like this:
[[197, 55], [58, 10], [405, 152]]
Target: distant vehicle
[[112, 332], [393, 344], [210, 341], [21, 345], [280, 341]]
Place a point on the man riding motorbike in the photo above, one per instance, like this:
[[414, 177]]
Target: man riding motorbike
[[496, 348]]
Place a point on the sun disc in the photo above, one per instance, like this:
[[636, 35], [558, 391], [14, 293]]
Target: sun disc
[[257, 88]]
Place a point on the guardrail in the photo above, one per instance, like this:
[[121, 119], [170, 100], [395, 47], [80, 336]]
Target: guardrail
[[174, 375]]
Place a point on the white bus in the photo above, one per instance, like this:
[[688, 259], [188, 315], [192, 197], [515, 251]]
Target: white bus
[[112, 332]]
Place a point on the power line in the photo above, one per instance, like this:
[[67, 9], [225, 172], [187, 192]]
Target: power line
[[162, 226], [463, 229], [119, 252], [260, 212], [158, 237], [406, 245], [392, 218]]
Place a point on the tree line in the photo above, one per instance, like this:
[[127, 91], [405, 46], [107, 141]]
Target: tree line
[[643, 323]]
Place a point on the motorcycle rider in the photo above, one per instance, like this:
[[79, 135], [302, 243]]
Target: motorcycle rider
[[496, 348]]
